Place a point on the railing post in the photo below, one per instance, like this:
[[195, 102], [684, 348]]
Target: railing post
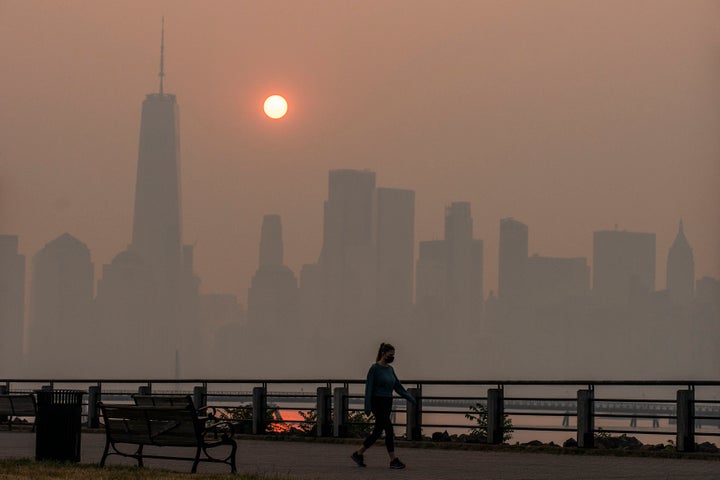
[[323, 412], [496, 416], [340, 411], [259, 410], [4, 390], [93, 413], [145, 390], [199, 396], [586, 418], [414, 415], [685, 421]]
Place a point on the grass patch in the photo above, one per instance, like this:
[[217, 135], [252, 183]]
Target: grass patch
[[11, 469]]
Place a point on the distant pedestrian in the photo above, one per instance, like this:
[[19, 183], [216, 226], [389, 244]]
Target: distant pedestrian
[[381, 381]]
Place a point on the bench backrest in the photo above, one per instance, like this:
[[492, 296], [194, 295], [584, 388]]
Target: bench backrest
[[18, 405], [164, 400], [150, 425]]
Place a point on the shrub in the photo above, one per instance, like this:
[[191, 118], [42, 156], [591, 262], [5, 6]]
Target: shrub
[[479, 413]]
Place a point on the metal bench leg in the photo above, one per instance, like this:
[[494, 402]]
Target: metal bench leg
[[105, 453], [197, 460], [233, 468], [139, 454]]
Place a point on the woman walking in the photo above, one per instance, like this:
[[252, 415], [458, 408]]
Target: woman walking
[[381, 381]]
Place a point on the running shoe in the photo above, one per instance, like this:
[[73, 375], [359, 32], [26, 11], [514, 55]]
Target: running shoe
[[396, 464], [359, 459]]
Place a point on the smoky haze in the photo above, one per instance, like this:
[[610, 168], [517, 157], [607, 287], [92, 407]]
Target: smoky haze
[[377, 208]]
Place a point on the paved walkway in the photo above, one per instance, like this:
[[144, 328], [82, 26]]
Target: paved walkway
[[329, 461]]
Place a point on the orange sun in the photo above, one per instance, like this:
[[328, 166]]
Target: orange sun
[[275, 106]]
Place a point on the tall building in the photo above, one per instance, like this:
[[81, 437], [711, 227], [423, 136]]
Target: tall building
[[459, 264], [347, 259], [273, 314], [623, 266], [449, 281], [512, 261], [157, 233], [61, 300], [680, 270], [168, 300], [273, 297], [12, 306], [125, 309], [395, 252]]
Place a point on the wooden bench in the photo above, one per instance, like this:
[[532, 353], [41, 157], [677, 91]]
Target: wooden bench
[[163, 400], [165, 426], [17, 405], [205, 413]]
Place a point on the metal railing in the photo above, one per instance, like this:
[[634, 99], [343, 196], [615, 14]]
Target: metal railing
[[593, 406]]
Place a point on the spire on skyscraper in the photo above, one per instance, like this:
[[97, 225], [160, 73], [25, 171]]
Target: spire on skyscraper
[[681, 269], [162, 55]]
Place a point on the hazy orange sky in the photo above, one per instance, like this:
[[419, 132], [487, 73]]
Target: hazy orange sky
[[571, 116]]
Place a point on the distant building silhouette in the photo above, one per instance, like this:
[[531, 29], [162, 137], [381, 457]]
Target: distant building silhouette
[[163, 296], [708, 291], [347, 259], [555, 281], [623, 266], [449, 285], [61, 300], [12, 306], [395, 253], [513, 257], [430, 290], [459, 272], [680, 270], [125, 309], [273, 297], [223, 320]]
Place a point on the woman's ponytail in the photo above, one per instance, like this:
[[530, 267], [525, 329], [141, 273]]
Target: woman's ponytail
[[384, 347]]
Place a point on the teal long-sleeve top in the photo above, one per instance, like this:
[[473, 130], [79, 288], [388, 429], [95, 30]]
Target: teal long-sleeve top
[[381, 381]]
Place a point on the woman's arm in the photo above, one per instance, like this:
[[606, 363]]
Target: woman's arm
[[401, 390]]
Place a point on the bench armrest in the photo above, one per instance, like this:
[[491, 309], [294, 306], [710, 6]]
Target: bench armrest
[[223, 428]]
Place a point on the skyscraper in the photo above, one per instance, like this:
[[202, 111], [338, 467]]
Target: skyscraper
[[156, 234], [623, 266], [167, 304], [512, 261], [680, 270], [395, 252], [12, 305], [273, 297], [60, 307], [459, 264], [347, 260]]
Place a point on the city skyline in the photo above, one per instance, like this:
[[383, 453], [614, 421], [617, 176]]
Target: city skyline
[[548, 142]]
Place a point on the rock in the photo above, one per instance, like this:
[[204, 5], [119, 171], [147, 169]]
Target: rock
[[473, 438], [533, 443], [570, 443], [441, 436], [623, 442], [706, 447]]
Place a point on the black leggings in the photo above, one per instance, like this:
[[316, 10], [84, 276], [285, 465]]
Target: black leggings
[[381, 408]]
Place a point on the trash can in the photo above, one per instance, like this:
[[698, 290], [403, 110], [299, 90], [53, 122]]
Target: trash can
[[57, 425]]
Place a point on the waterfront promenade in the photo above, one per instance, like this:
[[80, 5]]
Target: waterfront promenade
[[330, 461]]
